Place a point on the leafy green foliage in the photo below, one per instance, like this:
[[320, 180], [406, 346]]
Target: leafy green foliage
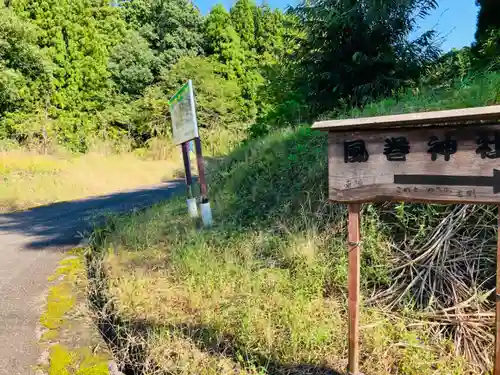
[[72, 72], [474, 90], [449, 67], [172, 28], [76, 37], [24, 70], [242, 17], [18, 48], [269, 34], [284, 244], [223, 42], [248, 41], [133, 64], [360, 49], [488, 51], [487, 19]]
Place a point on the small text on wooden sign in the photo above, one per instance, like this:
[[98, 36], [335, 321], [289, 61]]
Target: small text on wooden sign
[[419, 164]]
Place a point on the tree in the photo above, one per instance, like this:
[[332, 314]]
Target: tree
[[232, 39], [218, 99], [224, 42], [356, 50], [487, 19], [77, 37], [173, 28], [242, 17], [269, 33], [132, 64], [24, 69]]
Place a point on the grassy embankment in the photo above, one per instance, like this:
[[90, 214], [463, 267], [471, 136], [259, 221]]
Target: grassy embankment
[[263, 292], [30, 179]]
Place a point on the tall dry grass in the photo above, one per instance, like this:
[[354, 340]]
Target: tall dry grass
[[28, 178]]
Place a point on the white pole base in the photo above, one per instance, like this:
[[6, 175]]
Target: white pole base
[[192, 207], [206, 214]]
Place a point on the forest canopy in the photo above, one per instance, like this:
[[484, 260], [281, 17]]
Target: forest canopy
[[75, 71]]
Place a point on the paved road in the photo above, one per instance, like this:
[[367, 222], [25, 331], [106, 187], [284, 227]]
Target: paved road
[[31, 243]]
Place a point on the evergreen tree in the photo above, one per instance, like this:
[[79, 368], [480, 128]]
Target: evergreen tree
[[224, 42], [269, 32], [76, 36], [132, 64], [24, 69], [242, 17], [218, 99], [76, 70]]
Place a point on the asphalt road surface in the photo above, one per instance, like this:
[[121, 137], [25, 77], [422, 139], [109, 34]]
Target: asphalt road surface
[[31, 244]]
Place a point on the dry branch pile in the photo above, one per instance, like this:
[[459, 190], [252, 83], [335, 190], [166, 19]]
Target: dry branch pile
[[449, 275]]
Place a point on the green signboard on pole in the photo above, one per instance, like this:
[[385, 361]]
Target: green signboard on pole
[[182, 108]]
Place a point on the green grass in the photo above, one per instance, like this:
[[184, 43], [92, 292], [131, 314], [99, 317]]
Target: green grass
[[252, 299], [264, 290], [475, 90]]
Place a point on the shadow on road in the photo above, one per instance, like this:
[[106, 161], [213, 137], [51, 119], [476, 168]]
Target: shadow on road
[[61, 224]]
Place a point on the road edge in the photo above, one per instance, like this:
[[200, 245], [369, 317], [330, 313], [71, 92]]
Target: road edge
[[67, 336]]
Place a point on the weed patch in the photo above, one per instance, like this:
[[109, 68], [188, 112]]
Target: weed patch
[[261, 302], [69, 336]]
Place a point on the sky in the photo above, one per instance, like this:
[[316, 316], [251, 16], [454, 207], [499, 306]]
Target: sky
[[454, 20]]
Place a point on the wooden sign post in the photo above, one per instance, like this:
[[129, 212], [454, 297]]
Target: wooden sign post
[[446, 156]]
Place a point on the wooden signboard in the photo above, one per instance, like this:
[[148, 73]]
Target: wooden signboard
[[446, 156], [427, 164]]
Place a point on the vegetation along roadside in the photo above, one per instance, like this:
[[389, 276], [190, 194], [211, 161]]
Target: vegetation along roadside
[[263, 291], [29, 179]]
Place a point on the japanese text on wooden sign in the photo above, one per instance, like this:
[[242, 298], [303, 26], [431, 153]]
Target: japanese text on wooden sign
[[420, 164], [182, 109]]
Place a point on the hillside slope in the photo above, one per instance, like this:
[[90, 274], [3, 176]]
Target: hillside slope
[[263, 292]]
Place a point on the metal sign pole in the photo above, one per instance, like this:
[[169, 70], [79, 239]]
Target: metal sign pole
[[206, 212], [191, 202], [184, 131], [187, 169], [201, 170], [353, 281]]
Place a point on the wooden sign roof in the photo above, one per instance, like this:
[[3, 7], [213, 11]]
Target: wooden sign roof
[[454, 117]]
